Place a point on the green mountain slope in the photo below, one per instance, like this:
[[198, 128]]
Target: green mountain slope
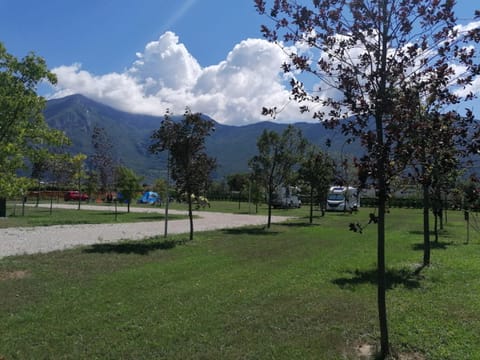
[[233, 146]]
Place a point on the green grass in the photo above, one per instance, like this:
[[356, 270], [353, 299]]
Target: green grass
[[245, 208], [42, 216], [296, 291]]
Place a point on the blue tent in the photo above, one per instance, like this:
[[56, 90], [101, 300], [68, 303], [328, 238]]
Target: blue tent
[[149, 197]]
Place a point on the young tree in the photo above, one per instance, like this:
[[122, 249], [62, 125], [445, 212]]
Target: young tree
[[190, 165], [103, 159], [256, 192], [160, 187], [432, 147], [317, 171], [277, 156], [363, 53], [128, 184], [78, 173], [39, 168], [238, 182], [23, 130]]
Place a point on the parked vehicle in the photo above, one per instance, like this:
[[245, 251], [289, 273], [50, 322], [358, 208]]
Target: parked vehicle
[[150, 197], [75, 195], [343, 198], [286, 197]]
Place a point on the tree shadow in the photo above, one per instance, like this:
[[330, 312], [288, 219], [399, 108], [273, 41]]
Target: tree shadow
[[420, 232], [305, 223], [158, 217], [440, 245], [394, 278], [140, 247], [250, 231]]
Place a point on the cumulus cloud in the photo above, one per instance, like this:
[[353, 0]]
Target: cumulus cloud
[[234, 91], [165, 63], [165, 75]]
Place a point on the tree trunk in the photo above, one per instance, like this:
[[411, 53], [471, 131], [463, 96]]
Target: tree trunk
[[426, 226], [382, 189], [382, 281], [269, 219], [311, 205], [440, 216], [3, 207], [190, 215]]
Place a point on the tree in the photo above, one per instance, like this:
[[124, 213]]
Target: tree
[[23, 130], [160, 186], [363, 53], [432, 148], [238, 182], [189, 163], [103, 160], [317, 171], [39, 168], [277, 156], [256, 192], [128, 184], [78, 173]]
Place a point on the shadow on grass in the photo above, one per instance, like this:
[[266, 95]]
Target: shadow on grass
[[154, 218], [440, 245], [140, 247], [304, 223], [420, 232], [251, 231], [394, 278]]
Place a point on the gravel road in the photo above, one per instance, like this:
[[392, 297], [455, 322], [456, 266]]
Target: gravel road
[[17, 241]]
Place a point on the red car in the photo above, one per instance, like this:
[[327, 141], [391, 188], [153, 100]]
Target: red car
[[75, 195]]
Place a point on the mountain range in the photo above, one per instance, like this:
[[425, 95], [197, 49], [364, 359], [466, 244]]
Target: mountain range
[[129, 133]]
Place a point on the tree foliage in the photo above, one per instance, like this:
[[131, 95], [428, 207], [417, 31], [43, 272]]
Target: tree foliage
[[23, 130], [433, 148], [128, 184], [189, 163], [277, 156], [363, 55], [317, 171], [78, 173], [238, 182], [103, 158]]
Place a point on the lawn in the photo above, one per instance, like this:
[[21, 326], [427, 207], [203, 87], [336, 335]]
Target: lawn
[[295, 291], [31, 215]]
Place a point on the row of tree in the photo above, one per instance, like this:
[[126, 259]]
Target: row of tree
[[389, 73]]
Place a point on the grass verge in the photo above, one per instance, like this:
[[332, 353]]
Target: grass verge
[[44, 216]]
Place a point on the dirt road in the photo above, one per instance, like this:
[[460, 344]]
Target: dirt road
[[16, 241]]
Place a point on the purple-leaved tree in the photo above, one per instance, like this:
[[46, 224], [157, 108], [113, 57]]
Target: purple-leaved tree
[[364, 55]]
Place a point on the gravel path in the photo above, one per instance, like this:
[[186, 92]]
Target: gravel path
[[17, 241]]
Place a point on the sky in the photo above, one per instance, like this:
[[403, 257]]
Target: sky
[[147, 56]]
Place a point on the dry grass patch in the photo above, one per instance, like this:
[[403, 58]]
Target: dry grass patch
[[13, 275]]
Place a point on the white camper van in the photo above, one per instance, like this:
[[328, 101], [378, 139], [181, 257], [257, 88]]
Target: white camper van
[[286, 197], [343, 198]]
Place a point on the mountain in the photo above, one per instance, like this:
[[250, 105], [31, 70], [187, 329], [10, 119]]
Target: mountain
[[233, 146]]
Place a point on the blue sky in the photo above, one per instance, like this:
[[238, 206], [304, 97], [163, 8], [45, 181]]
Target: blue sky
[[178, 49], [104, 35]]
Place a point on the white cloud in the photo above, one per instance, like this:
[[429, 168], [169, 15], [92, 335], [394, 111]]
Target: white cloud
[[166, 75], [165, 63]]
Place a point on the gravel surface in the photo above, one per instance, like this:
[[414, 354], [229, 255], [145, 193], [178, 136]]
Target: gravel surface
[[31, 240]]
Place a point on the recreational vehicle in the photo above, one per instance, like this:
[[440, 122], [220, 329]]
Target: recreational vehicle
[[343, 198], [286, 197]]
